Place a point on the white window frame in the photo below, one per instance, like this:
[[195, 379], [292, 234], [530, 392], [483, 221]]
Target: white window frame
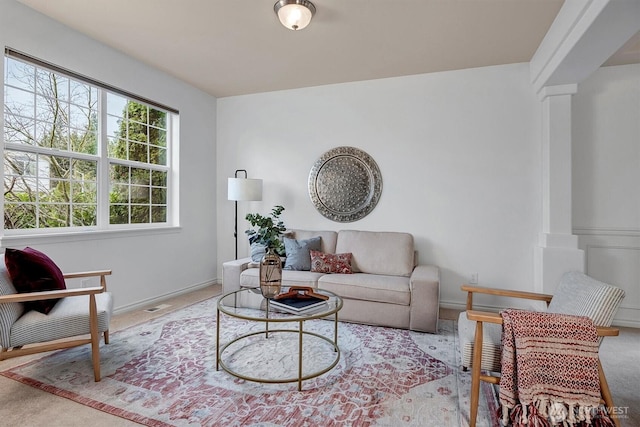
[[103, 225]]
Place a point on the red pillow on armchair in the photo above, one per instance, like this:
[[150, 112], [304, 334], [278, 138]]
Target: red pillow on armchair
[[32, 271]]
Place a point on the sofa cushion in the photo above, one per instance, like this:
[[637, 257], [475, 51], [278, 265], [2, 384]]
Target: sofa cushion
[[250, 278], [330, 263], [327, 238], [491, 343], [369, 287], [9, 312], [387, 253], [298, 256], [582, 295], [258, 251], [33, 271], [68, 318]]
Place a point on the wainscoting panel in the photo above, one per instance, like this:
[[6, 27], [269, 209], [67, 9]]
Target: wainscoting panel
[[613, 256]]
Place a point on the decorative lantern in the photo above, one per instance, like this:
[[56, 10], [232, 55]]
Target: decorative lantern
[[270, 274]]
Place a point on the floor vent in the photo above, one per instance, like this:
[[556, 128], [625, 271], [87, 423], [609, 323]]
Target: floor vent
[[159, 307]]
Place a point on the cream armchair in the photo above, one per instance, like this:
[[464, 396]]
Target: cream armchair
[[480, 332], [79, 312]]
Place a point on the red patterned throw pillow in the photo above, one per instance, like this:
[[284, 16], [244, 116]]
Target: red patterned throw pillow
[[330, 263], [32, 271]]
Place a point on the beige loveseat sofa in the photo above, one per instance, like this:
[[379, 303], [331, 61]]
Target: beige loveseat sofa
[[387, 287]]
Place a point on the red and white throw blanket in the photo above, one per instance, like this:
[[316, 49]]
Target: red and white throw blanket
[[550, 371]]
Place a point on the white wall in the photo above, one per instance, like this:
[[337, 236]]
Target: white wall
[[459, 154], [606, 149], [145, 265], [606, 180]]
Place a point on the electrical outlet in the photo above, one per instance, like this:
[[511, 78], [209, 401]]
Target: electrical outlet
[[474, 279]]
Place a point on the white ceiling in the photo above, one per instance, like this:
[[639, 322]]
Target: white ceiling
[[236, 47]]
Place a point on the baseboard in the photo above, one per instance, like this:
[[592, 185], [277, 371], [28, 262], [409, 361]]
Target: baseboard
[[151, 301]]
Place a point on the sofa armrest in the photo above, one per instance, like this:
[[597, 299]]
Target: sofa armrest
[[231, 271], [425, 298]]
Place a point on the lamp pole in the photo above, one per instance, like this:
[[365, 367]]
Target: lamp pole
[[241, 188], [235, 230]]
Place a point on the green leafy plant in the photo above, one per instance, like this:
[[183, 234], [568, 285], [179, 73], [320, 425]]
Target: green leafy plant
[[268, 229]]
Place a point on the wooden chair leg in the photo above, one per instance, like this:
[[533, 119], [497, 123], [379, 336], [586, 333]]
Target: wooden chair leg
[[476, 366], [106, 336], [95, 337], [606, 395]]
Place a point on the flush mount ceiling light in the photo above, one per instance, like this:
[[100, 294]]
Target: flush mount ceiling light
[[294, 14]]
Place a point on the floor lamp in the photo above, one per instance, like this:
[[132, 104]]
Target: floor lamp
[[243, 189]]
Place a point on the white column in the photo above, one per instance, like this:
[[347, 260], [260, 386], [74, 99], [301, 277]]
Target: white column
[[581, 38], [557, 250]]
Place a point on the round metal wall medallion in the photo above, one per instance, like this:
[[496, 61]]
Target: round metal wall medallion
[[345, 184]]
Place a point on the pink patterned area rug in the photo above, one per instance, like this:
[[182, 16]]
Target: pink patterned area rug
[[162, 373]]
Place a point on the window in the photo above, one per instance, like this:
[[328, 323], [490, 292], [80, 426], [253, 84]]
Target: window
[[78, 154]]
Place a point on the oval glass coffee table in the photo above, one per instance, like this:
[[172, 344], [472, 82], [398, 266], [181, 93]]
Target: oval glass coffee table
[[262, 322]]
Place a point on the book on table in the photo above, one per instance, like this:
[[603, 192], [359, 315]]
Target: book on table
[[296, 305]]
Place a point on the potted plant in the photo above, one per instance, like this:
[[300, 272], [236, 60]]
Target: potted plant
[[267, 232]]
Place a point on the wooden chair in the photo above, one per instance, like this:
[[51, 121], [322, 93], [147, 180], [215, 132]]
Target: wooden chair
[[80, 312], [577, 294]]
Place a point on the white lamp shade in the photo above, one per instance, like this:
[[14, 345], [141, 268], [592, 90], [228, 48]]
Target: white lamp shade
[[295, 15], [244, 189]]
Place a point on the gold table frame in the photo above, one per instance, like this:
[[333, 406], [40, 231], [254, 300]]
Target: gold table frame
[[334, 305]]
